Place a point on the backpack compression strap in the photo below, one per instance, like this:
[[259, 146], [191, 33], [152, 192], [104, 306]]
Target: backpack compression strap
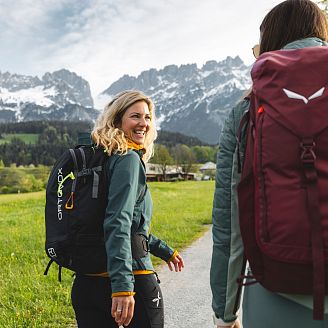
[[95, 185], [70, 202], [308, 159], [85, 171]]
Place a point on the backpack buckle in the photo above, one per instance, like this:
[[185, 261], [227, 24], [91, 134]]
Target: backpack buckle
[[85, 172], [308, 155]]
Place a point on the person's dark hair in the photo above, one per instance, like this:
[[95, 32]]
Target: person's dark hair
[[292, 20]]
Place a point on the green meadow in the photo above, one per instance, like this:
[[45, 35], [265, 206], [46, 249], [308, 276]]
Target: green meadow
[[182, 211], [29, 138]]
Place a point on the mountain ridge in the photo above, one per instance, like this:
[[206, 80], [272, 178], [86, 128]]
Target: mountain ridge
[[189, 99]]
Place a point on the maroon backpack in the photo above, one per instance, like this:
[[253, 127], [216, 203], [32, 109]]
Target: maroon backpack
[[283, 192]]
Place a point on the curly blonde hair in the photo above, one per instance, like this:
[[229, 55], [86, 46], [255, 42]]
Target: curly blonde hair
[[106, 132]]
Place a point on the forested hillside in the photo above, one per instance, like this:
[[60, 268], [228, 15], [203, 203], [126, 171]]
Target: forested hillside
[[52, 139], [42, 142]]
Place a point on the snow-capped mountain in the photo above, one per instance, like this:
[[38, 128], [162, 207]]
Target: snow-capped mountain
[[191, 100], [60, 95]]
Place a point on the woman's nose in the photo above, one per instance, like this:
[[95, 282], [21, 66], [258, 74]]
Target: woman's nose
[[143, 121]]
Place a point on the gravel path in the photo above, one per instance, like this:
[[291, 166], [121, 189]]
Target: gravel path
[[187, 294]]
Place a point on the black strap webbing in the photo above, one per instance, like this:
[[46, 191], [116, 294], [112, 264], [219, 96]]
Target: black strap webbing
[[76, 169], [59, 273], [59, 269], [84, 162], [48, 267]]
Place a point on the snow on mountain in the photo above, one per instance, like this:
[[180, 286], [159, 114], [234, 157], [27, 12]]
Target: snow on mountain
[[191, 100], [36, 95], [58, 95]]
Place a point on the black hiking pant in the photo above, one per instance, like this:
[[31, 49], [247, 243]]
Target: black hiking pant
[[92, 303]]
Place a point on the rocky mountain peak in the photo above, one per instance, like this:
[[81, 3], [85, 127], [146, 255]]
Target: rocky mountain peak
[[70, 87], [14, 82], [188, 99], [23, 97]]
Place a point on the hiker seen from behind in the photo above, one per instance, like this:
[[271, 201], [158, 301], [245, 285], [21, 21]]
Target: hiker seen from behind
[[271, 197]]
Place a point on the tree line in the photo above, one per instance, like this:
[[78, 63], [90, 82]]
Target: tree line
[[182, 156], [55, 137]]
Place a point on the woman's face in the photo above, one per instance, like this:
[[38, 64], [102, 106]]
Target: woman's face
[[136, 122]]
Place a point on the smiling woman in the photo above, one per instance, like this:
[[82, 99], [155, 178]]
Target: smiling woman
[[128, 293], [129, 117], [136, 122]]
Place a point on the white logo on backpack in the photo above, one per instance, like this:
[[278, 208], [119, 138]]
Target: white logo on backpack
[[294, 95], [52, 252], [59, 194]]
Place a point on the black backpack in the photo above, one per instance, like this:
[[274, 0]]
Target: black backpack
[[76, 200]]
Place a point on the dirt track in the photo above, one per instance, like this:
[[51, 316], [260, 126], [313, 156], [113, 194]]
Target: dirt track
[[187, 294]]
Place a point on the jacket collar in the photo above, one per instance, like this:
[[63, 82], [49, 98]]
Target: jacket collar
[[304, 43]]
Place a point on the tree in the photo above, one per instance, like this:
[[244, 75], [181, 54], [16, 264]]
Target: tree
[[204, 153], [163, 158], [184, 157], [18, 151], [49, 135]]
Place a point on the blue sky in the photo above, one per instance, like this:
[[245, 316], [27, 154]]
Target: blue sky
[[101, 40]]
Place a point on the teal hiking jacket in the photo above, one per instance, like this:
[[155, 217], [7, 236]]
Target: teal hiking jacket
[[129, 211], [227, 256]]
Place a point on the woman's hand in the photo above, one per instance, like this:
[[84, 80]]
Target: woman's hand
[[176, 263], [236, 324], [122, 309]]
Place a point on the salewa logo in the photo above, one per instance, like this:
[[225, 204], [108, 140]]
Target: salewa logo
[[294, 95]]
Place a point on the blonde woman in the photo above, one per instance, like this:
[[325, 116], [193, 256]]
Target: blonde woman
[[128, 294]]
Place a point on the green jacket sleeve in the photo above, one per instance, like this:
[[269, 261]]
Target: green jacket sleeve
[[227, 256], [124, 187], [159, 248]]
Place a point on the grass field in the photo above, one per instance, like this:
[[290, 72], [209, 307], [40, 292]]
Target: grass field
[[28, 138], [29, 299]]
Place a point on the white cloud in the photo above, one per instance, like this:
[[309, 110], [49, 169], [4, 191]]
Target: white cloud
[[103, 39]]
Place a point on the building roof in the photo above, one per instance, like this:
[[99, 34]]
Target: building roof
[[208, 166], [152, 168]]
